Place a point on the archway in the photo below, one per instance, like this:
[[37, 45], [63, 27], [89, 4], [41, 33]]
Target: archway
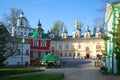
[[87, 52]]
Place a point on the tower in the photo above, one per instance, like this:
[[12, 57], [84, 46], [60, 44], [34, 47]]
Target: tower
[[87, 32], [22, 28], [51, 34], [77, 31], [38, 31], [98, 32], [22, 21], [64, 32]]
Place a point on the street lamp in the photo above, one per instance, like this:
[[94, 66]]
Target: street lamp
[[23, 40]]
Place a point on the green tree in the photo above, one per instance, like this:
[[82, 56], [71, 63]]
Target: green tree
[[57, 28], [8, 45]]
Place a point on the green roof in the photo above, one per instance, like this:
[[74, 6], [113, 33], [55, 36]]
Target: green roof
[[36, 33], [49, 57]]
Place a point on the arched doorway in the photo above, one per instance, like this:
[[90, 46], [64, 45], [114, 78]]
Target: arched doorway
[[87, 52]]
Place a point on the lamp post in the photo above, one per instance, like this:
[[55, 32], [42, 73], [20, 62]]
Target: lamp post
[[23, 40]]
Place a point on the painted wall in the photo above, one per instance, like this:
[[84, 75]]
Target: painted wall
[[16, 58]]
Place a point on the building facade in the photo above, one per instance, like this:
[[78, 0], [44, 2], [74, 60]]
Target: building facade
[[39, 44], [111, 20], [22, 55], [21, 33], [22, 28], [77, 45]]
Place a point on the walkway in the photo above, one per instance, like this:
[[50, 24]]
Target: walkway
[[86, 72]]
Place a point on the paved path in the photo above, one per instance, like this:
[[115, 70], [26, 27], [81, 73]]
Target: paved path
[[86, 72], [81, 70], [90, 73]]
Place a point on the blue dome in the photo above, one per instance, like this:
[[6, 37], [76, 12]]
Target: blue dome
[[64, 31], [99, 30]]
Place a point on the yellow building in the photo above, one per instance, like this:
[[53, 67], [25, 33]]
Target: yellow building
[[77, 45]]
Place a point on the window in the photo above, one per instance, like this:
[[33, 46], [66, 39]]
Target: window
[[21, 22], [29, 34], [35, 43], [43, 43], [42, 53], [67, 46], [35, 55], [60, 46], [78, 54], [70, 54], [98, 48], [18, 51], [65, 54], [79, 46], [21, 33], [27, 52], [24, 33], [60, 54]]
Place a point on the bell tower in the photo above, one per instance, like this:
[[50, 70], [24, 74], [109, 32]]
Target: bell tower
[[87, 33], [77, 31], [22, 21], [64, 32], [98, 32]]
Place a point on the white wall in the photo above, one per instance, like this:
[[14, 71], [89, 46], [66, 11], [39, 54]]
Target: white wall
[[16, 58]]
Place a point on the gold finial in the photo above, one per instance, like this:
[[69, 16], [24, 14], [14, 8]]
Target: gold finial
[[76, 23]]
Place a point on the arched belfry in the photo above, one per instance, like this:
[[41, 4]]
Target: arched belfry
[[22, 28], [21, 20]]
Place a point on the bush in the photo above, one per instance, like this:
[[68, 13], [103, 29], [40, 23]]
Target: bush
[[104, 70], [2, 64]]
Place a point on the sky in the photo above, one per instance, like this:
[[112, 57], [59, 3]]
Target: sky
[[50, 11]]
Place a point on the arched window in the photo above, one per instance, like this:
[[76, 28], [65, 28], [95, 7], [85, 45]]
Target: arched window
[[21, 22], [78, 54], [70, 54], [65, 54], [61, 54], [87, 48]]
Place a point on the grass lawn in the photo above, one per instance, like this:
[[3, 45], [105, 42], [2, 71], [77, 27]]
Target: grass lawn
[[12, 71], [37, 77]]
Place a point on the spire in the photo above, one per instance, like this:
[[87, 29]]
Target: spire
[[64, 27], [87, 26], [76, 23], [39, 24], [99, 26]]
